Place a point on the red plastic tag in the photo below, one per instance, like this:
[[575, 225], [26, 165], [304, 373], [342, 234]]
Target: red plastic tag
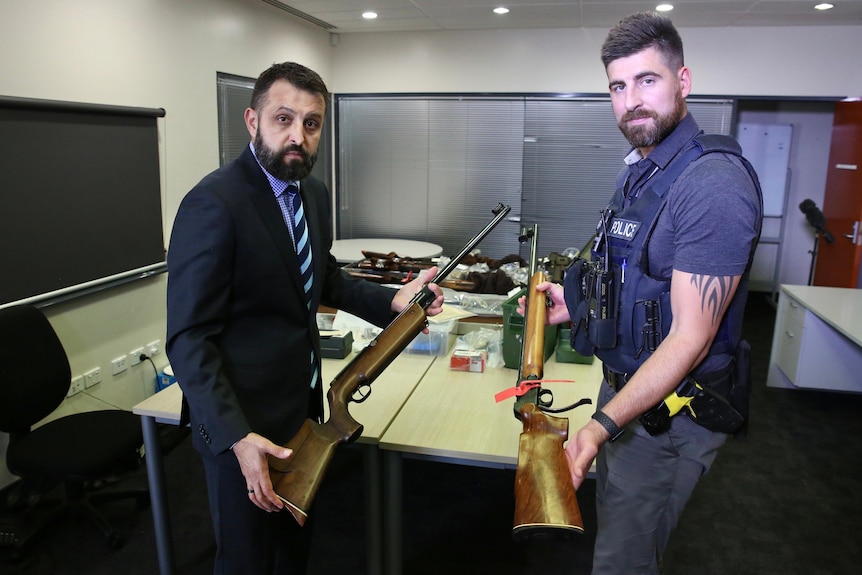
[[524, 386]]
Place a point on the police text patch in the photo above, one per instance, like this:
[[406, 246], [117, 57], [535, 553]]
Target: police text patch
[[623, 229]]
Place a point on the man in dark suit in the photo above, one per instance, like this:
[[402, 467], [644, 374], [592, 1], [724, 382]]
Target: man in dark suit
[[242, 335]]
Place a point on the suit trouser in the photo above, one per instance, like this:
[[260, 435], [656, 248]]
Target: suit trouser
[[249, 540], [643, 484]]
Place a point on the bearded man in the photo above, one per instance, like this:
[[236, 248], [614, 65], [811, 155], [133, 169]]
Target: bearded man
[[248, 265], [661, 302]]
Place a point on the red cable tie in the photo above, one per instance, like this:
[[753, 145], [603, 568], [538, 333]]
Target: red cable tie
[[524, 386]]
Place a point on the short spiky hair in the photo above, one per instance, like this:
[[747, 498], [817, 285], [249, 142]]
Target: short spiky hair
[[297, 75], [638, 32]]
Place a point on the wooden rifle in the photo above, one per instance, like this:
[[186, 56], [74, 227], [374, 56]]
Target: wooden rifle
[[545, 501], [297, 478]]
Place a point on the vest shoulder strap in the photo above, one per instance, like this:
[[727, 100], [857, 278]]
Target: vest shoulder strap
[[717, 143], [699, 146]]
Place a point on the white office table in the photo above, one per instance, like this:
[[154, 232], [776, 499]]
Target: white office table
[[817, 343], [349, 251], [453, 417], [388, 393]]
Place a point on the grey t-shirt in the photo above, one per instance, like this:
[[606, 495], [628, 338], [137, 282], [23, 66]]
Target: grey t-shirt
[[708, 224]]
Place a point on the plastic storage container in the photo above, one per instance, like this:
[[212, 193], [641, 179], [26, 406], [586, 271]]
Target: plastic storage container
[[513, 331], [438, 341], [565, 353]]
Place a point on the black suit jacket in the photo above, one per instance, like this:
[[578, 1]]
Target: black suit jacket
[[239, 334]]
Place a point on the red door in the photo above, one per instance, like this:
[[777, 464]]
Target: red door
[[838, 263]]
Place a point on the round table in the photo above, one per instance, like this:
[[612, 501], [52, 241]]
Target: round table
[[349, 251]]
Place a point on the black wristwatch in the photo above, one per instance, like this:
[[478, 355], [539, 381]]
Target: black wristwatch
[[608, 424]]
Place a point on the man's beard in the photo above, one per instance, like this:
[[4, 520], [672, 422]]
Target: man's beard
[[274, 163], [650, 135]]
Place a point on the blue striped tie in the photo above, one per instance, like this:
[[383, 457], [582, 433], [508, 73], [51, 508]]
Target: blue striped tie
[[303, 253], [300, 238]]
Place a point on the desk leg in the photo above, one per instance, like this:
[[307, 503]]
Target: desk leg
[[373, 508], [158, 496], [393, 503]]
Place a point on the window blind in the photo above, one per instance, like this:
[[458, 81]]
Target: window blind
[[430, 168]]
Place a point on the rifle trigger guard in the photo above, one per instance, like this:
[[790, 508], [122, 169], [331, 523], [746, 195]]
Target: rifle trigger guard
[[361, 393], [545, 398]]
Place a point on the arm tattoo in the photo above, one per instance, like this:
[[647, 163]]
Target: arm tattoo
[[714, 292]]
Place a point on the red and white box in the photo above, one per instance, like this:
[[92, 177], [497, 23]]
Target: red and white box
[[468, 360]]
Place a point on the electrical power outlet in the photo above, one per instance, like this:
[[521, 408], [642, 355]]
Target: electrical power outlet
[[119, 364], [92, 377], [77, 386], [154, 347], [135, 356]]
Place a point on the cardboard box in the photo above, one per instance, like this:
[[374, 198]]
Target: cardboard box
[[468, 360]]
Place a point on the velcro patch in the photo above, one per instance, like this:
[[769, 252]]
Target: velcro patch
[[623, 229]]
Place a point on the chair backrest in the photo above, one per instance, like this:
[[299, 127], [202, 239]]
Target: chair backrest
[[34, 369]]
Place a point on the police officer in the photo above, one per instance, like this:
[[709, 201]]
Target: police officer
[[660, 302]]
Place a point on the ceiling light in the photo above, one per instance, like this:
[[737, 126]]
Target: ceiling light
[[501, 10], [664, 7], [369, 15], [824, 6]]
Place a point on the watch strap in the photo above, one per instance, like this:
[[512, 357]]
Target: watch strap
[[612, 428]]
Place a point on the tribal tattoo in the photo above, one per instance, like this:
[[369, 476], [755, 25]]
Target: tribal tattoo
[[714, 293]]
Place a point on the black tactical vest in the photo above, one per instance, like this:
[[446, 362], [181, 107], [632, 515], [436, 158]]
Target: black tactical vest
[[641, 302]]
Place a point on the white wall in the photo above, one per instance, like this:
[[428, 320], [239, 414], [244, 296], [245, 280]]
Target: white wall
[[811, 61], [149, 53]]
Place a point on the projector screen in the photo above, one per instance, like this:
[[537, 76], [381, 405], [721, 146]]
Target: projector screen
[[80, 198]]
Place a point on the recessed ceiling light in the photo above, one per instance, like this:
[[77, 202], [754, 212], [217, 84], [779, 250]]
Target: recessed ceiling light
[[369, 15], [501, 10], [824, 6], [664, 7]]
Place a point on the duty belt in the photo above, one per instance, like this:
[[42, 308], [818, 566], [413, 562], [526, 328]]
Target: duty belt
[[706, 407], [614, 378]]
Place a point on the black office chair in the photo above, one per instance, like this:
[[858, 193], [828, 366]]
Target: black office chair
[[77, 451]]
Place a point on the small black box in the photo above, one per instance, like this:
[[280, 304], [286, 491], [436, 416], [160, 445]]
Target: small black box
[[336, 345]]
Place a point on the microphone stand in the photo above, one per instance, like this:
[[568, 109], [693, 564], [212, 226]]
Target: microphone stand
[[813, 253]]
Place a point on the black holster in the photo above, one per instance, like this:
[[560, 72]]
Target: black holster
[[717, 401]]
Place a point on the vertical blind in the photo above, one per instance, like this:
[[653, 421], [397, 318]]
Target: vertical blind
[[430, 168], [234, 96]]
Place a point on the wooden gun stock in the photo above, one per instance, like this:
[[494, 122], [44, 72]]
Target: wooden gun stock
[[545, 500], [297, 479]]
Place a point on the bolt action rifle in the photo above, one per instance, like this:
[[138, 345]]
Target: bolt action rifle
[[545, 501], [297, 478]]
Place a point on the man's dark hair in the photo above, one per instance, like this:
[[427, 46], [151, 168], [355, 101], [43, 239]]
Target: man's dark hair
[[297, 75], [638, 32]]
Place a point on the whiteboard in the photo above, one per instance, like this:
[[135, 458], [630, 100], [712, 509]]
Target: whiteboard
[[767, 147]]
